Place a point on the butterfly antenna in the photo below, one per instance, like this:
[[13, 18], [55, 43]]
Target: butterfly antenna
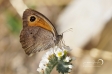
[[71, 29], [62, 43]]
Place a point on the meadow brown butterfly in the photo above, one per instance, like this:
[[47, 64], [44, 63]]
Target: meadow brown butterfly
[[38, 32]]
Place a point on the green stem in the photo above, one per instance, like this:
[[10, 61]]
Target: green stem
[[48, 70], [52, 63]]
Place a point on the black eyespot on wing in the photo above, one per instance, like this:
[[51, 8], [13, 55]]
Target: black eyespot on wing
[[32, 18]]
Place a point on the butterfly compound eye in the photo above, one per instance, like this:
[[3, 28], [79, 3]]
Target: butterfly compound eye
[[32, 18]]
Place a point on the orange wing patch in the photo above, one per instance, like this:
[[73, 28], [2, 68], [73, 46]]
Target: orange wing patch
[[41, 23]]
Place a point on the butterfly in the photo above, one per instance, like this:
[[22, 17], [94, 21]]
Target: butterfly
[[38, 32]]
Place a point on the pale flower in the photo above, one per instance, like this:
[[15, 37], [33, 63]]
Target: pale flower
[[42, 66], [67, 59], [39, 69], [69, 70], [70, 66], [59, 53], [44, 61], [45, 56]]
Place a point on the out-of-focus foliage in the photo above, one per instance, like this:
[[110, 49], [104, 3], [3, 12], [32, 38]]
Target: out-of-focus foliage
[[13, 23]]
